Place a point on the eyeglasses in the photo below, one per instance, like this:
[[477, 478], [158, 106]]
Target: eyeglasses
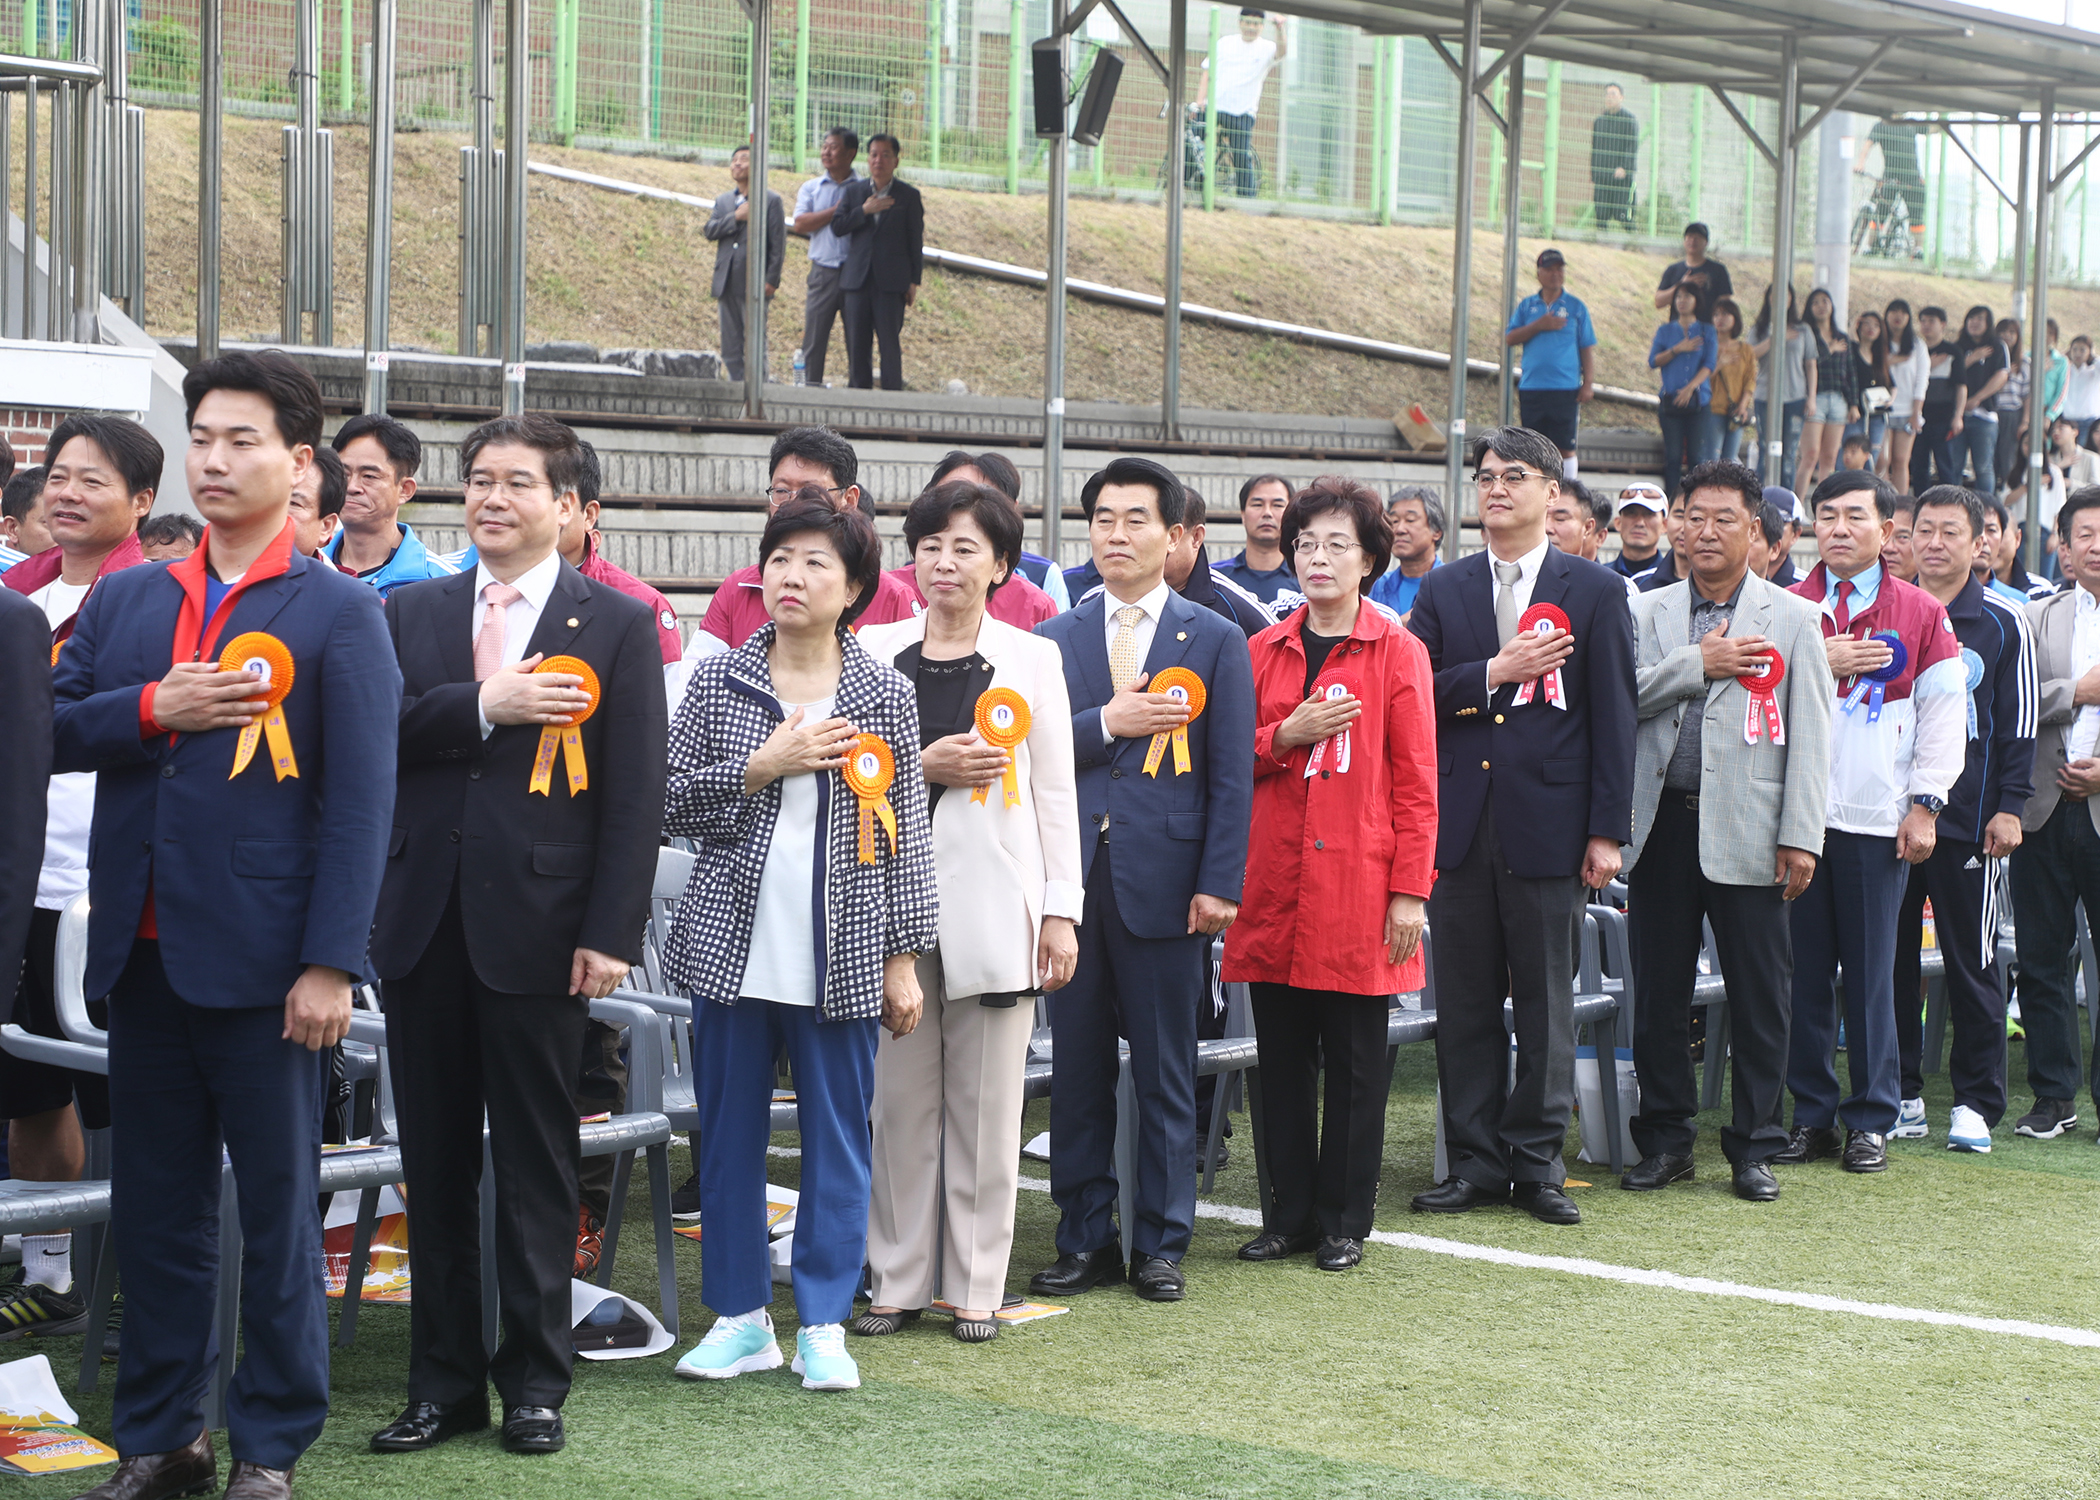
[[1308, 546], [517, 487], [780, 494], [1510, 477]]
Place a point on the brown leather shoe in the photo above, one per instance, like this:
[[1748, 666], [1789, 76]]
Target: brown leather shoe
[[246, 1481], [191, 1470]]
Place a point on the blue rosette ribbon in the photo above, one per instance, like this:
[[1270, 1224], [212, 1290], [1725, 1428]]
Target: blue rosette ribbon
[[1873, 686]]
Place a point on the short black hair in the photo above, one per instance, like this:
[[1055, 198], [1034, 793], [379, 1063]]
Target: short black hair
[[1699, 228], [997, 468], [851, 534], [741, 149], [1967, 501], [2085, 497], [1520, 445], [1773, 520], [170, 527], [335, 482], [559, 448], [1855, 440], [1248, 488], [592, 481], [1931, 310], [816, 445], [1599, 506], [851, 138], [7, 463], [287, 385], [1722, 474], [996, 516], [1995, 507], [1845, 481], [1360, 504], [883, 135], [1906, 504], [22, 491], [1129, 470], [1195, 511], [403, 448], [135, 451]]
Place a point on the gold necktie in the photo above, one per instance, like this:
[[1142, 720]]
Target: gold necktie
[[1122, 652]]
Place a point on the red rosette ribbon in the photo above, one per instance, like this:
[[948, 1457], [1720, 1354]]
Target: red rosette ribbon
[[1337, 742], [1762, 713], [1539, 620]]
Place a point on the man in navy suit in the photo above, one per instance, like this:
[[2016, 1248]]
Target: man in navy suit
[[1179, 841], [1534, 799], [231, 904], [883, 222]]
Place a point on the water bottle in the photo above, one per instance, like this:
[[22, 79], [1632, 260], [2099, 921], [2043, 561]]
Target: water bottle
[[800, 364]]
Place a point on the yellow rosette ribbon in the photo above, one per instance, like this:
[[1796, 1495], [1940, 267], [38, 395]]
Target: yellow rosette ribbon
[[1183, 686], [271, 660], [870, 768], [569, 736], [1002, 721]]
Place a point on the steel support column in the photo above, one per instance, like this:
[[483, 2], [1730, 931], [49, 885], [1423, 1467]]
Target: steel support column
[[1462, 282], [2034, 335], [379, 207], [1177, 115], [211, 156], [517, 105], [1054, 305], [2023, 209], [1512, 210], [755, 246], [1787, 139]]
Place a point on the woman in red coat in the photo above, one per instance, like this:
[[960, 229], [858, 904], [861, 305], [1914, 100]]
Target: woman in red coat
[[1339, 867]]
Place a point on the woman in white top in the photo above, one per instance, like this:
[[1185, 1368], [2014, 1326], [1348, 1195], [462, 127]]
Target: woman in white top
[[1005, 821], [1910, 367], [2082, 386], [2065, 468]]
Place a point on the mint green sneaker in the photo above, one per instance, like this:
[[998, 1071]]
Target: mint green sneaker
[[734, 1346], [822, 1361]]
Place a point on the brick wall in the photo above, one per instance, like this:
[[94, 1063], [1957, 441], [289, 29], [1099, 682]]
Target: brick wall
[[28, 429]]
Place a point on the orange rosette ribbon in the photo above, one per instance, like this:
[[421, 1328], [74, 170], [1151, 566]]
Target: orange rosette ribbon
[[569, 736], [870, 768], [271, 660], [1003, 721], [1183, 686]]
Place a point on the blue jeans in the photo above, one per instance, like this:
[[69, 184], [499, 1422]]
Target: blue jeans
[[1871, 428], [1976, 448], [1732, 436], [1792, 414]]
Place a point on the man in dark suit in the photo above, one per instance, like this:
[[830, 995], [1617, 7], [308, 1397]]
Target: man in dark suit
[[513, 898], [1534, 799], [239, 832], [25, 766], [729, 226], [884, 224], [1180, 857]]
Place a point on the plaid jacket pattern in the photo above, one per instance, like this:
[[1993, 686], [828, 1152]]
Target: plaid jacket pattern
[[869, 912]]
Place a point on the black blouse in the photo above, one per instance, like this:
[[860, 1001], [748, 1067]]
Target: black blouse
[[948, 693]]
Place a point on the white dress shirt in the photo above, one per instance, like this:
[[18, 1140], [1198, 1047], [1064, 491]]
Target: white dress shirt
[[2085, 655], [1527, 575], [520, 618], [1153, 604]]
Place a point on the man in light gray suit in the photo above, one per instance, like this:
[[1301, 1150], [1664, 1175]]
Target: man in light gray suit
[[1730, 789], [2058, 861], [729, 227]]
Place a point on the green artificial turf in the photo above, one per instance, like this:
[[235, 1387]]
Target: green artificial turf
[[1416, 1375]]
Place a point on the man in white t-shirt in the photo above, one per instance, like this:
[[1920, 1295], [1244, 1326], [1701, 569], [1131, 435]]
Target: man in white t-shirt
[[99, 487], [1244, 62]]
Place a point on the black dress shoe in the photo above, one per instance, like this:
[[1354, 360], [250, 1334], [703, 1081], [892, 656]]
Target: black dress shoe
[[1455, 1195], [1808, 1143], [1545, 1202], [533, 1429], [1659, 1171], [1754, 1183], [1158, 1280], [189, 1470], [1866, 1151], [246, 1481], [1273, 1244], [425, 1424], [1338, 1253], [1078, 1272]]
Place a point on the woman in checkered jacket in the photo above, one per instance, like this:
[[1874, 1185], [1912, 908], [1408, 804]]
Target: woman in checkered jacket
[[795, 765]]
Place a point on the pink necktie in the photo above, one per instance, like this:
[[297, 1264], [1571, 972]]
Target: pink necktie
[[488, 641]]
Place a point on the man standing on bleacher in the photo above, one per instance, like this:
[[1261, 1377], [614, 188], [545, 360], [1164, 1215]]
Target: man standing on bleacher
[[1730, 777], [238, 707]]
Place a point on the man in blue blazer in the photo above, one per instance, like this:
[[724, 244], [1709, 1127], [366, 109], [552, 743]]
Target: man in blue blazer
[[232, 880], [1172, 882], [1534, 799]]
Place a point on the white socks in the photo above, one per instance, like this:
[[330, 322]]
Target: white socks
[[758, 1317], [47, 1260], [1570, 466]]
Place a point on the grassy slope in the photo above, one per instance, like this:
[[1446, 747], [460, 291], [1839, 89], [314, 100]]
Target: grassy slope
[[1416, 1376], [626, 272]]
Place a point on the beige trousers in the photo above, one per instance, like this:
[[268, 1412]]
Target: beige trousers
[[961, 1068]]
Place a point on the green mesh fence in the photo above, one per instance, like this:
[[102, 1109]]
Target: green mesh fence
[[1349, 125]]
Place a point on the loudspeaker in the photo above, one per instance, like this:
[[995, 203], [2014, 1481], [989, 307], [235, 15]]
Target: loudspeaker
[[1049, 78], [1100, 95]]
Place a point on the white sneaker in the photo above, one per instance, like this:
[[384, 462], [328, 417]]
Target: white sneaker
[[1910, 1122], [734, 1346], [1967, 1132], [822, 1361]]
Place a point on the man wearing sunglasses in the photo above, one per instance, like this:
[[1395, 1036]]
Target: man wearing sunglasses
[[1639, 525]]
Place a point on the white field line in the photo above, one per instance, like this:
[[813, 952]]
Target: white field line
[[2077, 1338]]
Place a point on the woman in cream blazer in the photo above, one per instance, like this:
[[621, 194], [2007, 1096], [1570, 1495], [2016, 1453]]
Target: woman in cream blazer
[[1008, 872]]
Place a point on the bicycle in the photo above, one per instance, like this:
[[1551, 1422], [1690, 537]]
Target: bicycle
[[1194, 158], [1882, 225]]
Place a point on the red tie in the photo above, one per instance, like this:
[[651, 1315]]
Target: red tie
[[1844, 606]]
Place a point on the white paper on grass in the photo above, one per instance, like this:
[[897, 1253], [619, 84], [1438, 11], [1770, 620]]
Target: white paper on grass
[[583, 1297], [28, 1389]]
